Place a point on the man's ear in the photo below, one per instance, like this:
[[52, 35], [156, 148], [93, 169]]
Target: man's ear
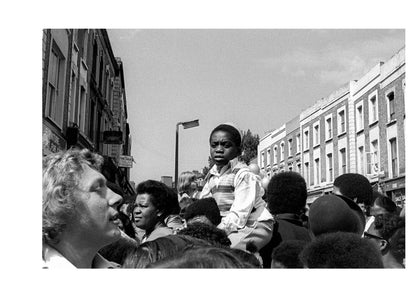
[[384, 246]]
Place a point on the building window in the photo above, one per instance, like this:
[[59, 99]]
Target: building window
[[307, 174], [329, 164], [298, 168], [268, 158], [282, 151], [393, 150], [359, 117], [316, 137], [374, 156], [306, 139], [373, 107], [94, 59], [262, 159], [289, 144], [391, 108], [343, 161], [82, 110], [328, 128], [317, 172], [55, 91], [298, 143], [361, 160], [275, 154], [72, 102], [341, 121]]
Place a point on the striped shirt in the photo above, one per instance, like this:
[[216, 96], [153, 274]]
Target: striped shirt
[[238, 193]]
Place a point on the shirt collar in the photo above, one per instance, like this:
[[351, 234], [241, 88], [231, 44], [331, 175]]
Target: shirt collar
[[231, 165], [54, 259]]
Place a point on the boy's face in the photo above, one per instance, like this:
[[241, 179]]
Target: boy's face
[[222, 148]]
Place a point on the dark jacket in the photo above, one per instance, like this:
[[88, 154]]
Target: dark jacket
[[286, 227]]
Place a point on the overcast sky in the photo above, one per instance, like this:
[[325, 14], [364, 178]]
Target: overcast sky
[[256, 79]]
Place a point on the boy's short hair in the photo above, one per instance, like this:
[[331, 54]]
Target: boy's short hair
[[234, 133], [355, 186], [286, 193], [341, 250]]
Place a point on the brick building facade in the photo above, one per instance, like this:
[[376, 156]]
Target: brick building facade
[[357, 128], [83, 95]]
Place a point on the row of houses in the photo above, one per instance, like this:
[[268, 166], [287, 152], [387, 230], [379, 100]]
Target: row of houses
[[84, 99], [358, 128]]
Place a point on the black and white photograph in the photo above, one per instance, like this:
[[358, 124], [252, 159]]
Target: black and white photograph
[[198, 149]]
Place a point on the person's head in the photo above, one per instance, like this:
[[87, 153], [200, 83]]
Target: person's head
[[341, 250], [187, 183], [388, 233], [354, 186], [225, 144], [160, 248], [286, 193], [332, 213], [203, 257], [154, 202], [286, 254], [118, 250], [203, 210], [207, 232], [382, 204], [76, 202]]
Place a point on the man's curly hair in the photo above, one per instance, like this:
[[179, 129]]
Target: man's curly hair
[[61, 176], [286, 193], [392, 228]]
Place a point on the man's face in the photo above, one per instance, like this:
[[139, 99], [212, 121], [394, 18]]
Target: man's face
[[145, 213], [222, 148], [96, 217]]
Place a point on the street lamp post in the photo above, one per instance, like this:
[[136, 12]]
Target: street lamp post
[[186, 125]]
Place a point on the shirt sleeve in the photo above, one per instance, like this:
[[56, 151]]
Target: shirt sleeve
[[246, 188]]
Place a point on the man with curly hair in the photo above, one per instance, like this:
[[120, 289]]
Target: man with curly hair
[[286, 199], [79, 211], [388, 233]]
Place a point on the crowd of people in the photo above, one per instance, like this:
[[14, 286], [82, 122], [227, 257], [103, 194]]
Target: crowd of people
[[229, 218]]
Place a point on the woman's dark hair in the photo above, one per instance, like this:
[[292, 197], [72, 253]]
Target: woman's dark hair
[[286, 193], [203, 257], [392, 228], [160, 248], [162, 197]]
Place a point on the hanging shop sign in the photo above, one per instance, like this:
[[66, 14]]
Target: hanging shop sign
[[125, 161], [113, 137]]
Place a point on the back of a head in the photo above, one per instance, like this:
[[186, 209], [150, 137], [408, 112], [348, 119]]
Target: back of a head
[[185, 181], [385, 203], [203, 257], [286, 193], [163, 197], [341, 250], [207, 207], [207, 232], [330, 213], [356, 187], [287, 253], [160, 248]]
